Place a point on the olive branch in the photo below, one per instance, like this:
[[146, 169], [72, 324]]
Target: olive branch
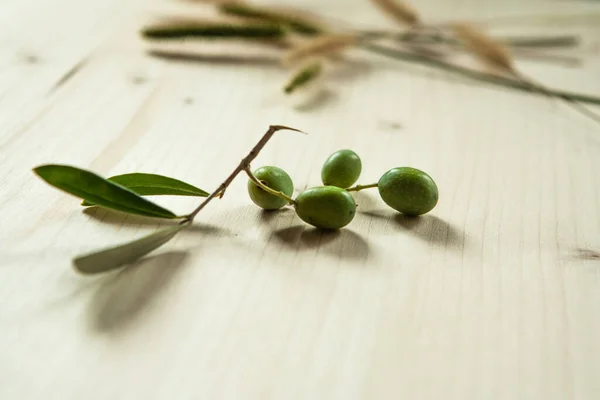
[[124, 193]]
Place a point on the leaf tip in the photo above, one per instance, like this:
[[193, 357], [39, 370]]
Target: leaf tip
[[38, 169]]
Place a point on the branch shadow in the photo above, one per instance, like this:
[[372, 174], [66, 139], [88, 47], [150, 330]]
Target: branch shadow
[[121, 299], [194, 57], [344, 243], [112, 217]]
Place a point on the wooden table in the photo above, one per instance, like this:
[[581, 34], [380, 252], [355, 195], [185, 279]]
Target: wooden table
[[494, 295]]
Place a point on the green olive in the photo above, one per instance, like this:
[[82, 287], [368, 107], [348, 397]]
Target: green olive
[[326, 207], [276, 179], [408, 190], [341, 169]]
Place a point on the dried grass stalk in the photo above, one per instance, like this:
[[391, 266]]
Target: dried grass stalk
[[399, 10], [320, 46], [493, 53], [292, 18], [488, 50]]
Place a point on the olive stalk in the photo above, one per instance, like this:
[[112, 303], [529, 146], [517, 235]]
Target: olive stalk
[[358, 188], [267, 189], [436, 38], [244, 165]]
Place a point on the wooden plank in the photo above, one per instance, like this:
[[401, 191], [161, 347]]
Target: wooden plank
[[492, 296]]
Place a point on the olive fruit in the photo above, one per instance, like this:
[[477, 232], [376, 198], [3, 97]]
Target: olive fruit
[[408, 190], [341, 169], [276, 179], [326, 207]]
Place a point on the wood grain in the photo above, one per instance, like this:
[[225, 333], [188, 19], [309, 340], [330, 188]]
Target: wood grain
[[495, 295]]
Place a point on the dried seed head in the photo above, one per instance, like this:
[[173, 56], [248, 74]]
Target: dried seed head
[[320, 46], [484, 47], [208, 30], [294, 19], [303, 76], [399, 10]]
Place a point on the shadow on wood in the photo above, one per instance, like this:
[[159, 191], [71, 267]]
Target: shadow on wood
[[586, 254], [122, 298], [428, 227], [314, 98], [431, 229], [344, 243], [269, 216], [113, 217], [349, 70], [207, 58]]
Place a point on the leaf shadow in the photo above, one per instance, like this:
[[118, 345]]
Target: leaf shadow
[[344, 243], [112, 217], [122, 298]]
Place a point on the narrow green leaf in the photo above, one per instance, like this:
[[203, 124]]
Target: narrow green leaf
[[296, 22], [303, 77], [97, 190], [115, 257], [210, 30], [154, 185]]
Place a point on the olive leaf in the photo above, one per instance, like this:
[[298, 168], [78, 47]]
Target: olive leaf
[[97, 190], [118, 256], [154, 185]]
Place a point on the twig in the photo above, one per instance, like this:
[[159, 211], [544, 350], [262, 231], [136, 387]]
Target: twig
[[492, 53], [541, 41], [512, 41], [243, 165], [574, 104], [473, 74], [525, 53]]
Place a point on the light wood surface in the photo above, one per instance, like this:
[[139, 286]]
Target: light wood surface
[[495, 295]]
